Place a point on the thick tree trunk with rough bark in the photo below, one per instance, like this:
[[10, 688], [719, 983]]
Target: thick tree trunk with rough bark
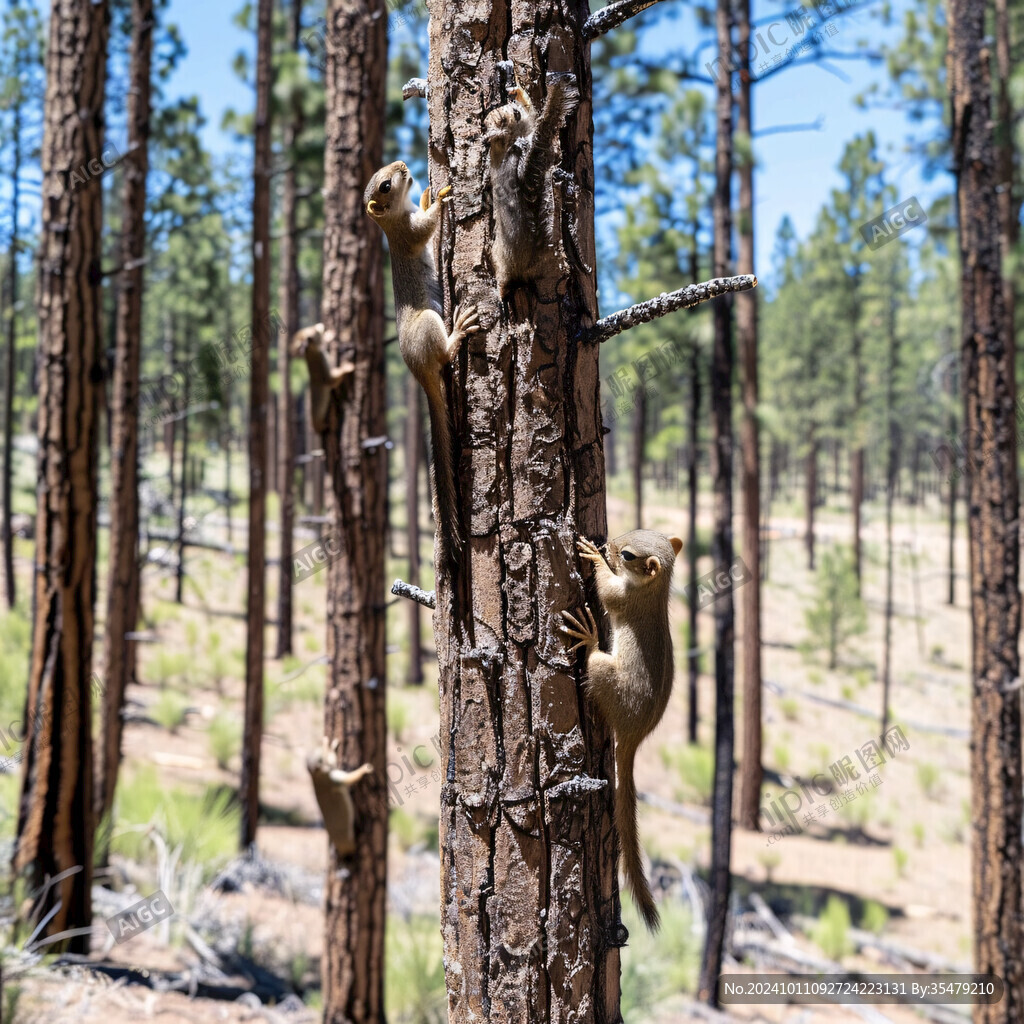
[[55, 813], [123, 586], [252, 736], [692, 596], [353, 306], [993, 522], [721, 541], [529, 900], [290, 317], [413, 459], [746, 331]]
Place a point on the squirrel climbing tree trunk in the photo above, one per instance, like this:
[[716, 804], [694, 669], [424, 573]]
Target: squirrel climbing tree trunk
[[353, 308], [529, 902]]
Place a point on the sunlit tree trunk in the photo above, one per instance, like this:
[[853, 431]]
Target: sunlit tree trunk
[[55, 812], [353, 307]]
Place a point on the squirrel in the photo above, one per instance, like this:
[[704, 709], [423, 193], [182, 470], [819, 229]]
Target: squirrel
[[425, 345], [331, 785], [323, 378], [632, 684], [523, 153]]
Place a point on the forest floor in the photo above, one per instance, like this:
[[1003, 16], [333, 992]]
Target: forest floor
[[896, 858]]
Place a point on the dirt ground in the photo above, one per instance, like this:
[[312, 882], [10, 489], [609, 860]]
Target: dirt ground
[[904, 847]]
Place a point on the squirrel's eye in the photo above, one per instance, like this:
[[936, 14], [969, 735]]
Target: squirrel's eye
[[385, 186], [517, 115], [628, 556]]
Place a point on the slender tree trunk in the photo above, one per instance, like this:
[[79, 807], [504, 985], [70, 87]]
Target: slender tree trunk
[[123, 583], [892, 462], [354, 707], [692, 597], [55, 811], [639, 446], [722, 540], [747, 331], [989, 407], [529, 895], [258, 404], [413, 459], [10, 583], [179, 587], [811, 497], [290, 316]]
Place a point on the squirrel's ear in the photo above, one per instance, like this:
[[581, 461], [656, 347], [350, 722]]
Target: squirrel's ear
[[653, 566], [677, 544]]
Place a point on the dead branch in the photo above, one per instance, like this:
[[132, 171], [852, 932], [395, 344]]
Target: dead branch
[[668, 302], [415, 87], [613, 15], [427, 598]]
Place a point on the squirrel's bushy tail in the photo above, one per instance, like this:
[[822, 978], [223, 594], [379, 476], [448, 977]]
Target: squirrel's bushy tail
[[446, 504], [629, 838]]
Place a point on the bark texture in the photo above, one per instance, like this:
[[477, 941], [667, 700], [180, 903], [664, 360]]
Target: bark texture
[[123, 587], [290, 316], [750, 442], [55, 813], [993, 527], [353, 306], [252, 736], [721, 540], [529, 898]]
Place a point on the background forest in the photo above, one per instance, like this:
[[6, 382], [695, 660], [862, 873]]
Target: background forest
[[830, 400]]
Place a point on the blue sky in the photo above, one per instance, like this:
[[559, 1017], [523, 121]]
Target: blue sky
[[796, 170]]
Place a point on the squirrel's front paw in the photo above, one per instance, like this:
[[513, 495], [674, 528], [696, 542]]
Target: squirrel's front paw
[[589, 551]]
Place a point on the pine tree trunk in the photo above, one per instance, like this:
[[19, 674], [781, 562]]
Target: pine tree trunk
[[722, 540], [354, 707], [10, 583], [989, 386], [55, 820], [123, 585], [529, 902], [252, 736], [810, 498], [892, 462], [413, 459], [290, 317], [747, 331], [179, 587], [692, 597]]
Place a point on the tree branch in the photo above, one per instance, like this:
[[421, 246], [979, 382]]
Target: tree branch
[[668, 302], [427, 598], [415, 87], [613, 15]]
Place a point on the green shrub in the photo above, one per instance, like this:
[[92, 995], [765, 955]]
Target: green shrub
[[832, 932], [695, 766], [790, 708], [398, 716], [928, 780], [900, 859], [875, 917], [204, 825], [415, 990], [225, 739], [656, 967], [838, 614], [170, 711]]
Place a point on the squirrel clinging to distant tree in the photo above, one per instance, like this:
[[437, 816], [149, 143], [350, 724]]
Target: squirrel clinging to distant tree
[[524, 149], [425, 344], [323, 378], [631, 684]]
